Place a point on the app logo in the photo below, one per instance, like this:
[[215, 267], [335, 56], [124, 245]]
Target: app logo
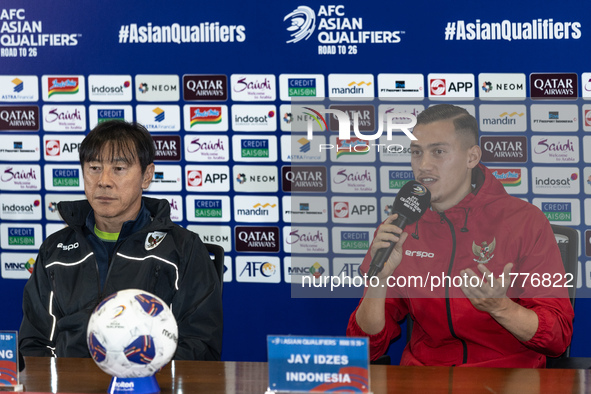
[[66, 177], [504, 149], [437, 87], [554, 85], [208, 208], [205, 115], [52, 148], [509, 177], [194, 178], [205, 88], [588, 117], [341, 209], [19, 118], [62, 86], [302, 22]]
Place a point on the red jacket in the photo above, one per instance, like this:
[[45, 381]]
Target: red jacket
[[448, 329]]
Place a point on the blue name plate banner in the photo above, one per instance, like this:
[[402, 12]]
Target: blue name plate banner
[[318, 364], [8, 359]]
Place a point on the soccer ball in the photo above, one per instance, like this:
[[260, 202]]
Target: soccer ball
[[132, 333]]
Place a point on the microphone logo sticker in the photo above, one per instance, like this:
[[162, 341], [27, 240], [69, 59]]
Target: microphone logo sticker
[[419, 190], [484, 252]]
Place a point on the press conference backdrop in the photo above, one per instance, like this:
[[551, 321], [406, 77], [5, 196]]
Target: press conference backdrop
[[213, 81]]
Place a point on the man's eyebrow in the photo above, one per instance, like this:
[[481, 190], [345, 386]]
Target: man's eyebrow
[[433, 145]]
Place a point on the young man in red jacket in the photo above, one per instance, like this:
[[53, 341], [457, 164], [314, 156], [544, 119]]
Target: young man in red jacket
[[474, 229]]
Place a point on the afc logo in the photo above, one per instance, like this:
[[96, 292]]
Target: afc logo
[[349, 270], [255, 268]]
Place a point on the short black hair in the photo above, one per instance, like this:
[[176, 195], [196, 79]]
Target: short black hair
[[465, 124], [124, 140]]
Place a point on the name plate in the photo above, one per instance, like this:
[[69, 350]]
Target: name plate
[[8, 359], [318, 364]]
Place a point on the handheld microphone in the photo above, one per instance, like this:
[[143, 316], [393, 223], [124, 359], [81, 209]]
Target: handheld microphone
[[410, 204]]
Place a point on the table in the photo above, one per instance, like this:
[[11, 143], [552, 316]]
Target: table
[[75, 375]]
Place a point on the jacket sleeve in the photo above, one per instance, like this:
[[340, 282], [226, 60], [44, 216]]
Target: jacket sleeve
[[395, 310], [37, 331], [197, 307], [551, 304]]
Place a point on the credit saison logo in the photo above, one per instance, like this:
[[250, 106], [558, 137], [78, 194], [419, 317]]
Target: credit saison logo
[[354, 240], [110, 114], [397, 179], [21, 236], [208, 208], [66, 177], [301, 87], [254, 148], [557, 211]]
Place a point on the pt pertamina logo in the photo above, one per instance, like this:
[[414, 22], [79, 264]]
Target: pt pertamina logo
[[302, 24], [484, 252]]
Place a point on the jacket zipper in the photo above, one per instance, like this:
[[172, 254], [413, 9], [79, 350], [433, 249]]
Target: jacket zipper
[[108, 272], [447, 299]]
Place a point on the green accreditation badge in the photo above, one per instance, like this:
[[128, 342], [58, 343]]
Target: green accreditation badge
[[318, 364]]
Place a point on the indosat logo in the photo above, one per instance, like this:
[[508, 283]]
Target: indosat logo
[[333, 26], [360, 143]]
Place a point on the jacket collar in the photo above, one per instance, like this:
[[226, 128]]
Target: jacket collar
[[76, 213]]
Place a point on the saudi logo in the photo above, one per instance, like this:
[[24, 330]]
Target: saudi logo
[[302, 24]]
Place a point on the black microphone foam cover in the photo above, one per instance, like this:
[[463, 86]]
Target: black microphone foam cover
[[412, 201]]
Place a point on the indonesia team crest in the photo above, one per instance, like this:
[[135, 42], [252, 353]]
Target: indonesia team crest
[[153, 239], [484, 252]]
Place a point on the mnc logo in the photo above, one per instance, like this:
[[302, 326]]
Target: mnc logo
[[66, 177], [208, 208]]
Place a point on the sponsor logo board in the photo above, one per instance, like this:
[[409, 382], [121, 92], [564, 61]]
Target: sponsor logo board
[[208, 208], [161, 88], [20, 148], [304, 209], [206, 148]]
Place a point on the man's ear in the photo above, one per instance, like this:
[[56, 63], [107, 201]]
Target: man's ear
[[474, 156], [148, 176]]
